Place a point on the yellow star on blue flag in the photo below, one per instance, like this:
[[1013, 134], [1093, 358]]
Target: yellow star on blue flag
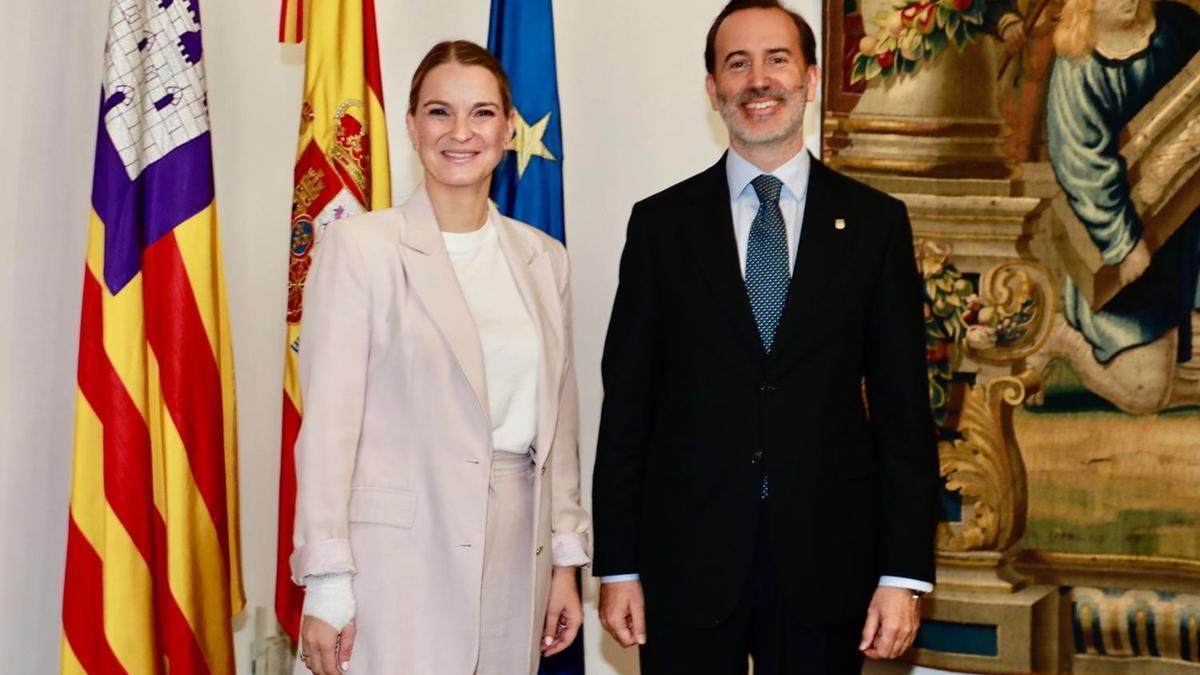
[[527, 142], [528, 183]]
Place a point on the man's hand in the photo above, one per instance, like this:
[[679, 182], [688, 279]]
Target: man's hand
[[623, 612], [324, 650], [892, 622], [564, 613]]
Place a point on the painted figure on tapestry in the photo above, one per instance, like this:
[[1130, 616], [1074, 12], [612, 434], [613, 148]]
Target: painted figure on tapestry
[[1136, 350]]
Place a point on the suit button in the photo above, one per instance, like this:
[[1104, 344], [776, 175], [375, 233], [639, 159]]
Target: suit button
[[543, 469], [538, 551], [756, 457], [767, 388]]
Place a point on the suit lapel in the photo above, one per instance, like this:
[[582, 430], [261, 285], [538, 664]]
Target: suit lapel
[[821, 253], [712, 240], [531, 269], [431, 276]]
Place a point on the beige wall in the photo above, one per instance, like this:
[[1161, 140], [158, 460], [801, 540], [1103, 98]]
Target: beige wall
[[49, 73], [635, 119]]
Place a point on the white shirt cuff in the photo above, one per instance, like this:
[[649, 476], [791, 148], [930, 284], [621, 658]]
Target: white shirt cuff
[[618, 578], [330, 598], [905, 582], [895, 582]]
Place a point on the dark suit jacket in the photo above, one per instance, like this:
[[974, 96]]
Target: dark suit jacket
[[694, 410]]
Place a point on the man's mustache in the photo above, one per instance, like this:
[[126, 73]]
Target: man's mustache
[[748, 95]]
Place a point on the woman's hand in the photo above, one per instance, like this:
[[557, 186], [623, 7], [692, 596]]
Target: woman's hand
[[564, 612], [324, 650]]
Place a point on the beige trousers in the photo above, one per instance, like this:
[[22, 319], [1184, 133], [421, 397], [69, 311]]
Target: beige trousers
[[504, 617]]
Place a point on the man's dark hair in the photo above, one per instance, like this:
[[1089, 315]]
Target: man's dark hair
[[808, 43]]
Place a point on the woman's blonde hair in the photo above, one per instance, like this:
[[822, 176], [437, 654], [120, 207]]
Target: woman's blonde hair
[[468, 54], [1075, 36]]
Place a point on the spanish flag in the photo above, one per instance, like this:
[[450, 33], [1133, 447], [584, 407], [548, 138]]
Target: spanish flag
[[153, 571], [341, 170]]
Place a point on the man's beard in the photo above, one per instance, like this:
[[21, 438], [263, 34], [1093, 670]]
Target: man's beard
[[731, 113]]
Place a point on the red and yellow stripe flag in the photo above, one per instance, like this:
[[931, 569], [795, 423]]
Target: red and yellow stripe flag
[[341, 170], [153, 569]]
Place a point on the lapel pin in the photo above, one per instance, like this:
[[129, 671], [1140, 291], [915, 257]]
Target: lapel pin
[[839, 224]]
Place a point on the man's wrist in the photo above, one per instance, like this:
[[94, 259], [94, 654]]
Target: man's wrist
[[906, 583], [618, 578]]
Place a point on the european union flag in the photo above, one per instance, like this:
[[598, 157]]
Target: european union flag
[[528, 183]]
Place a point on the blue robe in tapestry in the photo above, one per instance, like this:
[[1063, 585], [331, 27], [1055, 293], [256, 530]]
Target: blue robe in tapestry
[[1090, 101]]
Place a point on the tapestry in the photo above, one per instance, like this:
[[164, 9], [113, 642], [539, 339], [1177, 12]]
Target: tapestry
[[1063, 134]]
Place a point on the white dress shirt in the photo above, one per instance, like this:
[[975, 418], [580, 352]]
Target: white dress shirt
[[743, 204], [743, 200]]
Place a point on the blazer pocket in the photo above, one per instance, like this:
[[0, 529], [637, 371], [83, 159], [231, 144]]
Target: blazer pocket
[[383, 506]]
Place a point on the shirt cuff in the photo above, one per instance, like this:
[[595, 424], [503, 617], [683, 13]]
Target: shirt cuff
[[618, 578], [905, 582], [570, 550], [330, 598]]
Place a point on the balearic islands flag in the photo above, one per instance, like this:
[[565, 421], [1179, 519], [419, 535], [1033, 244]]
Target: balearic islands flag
[[153, 567], [341, 171]]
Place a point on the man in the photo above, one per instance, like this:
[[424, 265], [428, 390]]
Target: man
[[766, 478]]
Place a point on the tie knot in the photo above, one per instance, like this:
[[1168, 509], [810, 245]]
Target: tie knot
[[767, 187]]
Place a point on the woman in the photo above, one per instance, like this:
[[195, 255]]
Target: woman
[[1113, 57], [438, 522]]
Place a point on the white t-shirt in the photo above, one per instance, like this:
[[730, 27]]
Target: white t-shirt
[[506, 332]]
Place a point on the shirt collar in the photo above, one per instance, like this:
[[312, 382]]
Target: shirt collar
[[793, 173]]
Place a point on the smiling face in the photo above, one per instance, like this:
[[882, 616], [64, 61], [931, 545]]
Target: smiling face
[[760, 81], [458, 126]]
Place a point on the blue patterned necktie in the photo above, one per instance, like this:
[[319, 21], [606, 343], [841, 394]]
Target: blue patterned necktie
[[767, 272], [767, 260]]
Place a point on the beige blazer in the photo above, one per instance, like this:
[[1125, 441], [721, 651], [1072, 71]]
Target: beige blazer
[[393, 457]]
